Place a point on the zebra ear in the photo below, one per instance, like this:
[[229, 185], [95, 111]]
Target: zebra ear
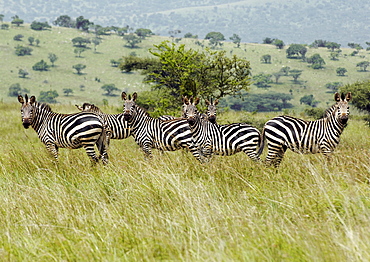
[[134, 96], [216, 102], [185, 100], [32, 99], [348, 96], [196, 101], [79, 107], [207, 102], [337, 97], [124, 96], [20, 99]]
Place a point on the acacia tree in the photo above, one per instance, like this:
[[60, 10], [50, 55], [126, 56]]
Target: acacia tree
[[79, 68], [194, 73], [236, 40], [363, 65], [215, 39], [52, 57]]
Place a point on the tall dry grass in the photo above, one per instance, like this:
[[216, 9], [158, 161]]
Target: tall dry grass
[[173, 208]]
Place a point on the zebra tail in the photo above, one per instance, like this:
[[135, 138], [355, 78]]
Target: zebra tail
[[262, 143]]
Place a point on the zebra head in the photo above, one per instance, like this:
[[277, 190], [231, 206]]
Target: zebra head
[[129, 107], [27, 109], [191, 111], [341, 107], [211, 110]]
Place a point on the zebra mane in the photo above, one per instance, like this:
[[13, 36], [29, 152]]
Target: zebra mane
[[43, 106]]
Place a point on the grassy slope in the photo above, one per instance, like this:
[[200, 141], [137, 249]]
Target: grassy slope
[[173, 208], [58, 41]]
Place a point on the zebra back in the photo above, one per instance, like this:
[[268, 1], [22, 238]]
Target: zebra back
[[117, 127]]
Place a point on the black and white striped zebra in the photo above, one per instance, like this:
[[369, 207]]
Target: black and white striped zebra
[[65, 130], [117, 126], [151, 132], [300, 136], [224, 140], [211, 112]]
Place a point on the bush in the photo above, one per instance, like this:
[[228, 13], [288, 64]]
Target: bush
[[41, 66], [22, 51]]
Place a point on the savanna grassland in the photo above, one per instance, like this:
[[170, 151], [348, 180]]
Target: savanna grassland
[[175, 209]]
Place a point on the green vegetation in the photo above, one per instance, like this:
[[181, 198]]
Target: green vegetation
[[57, 41], [175, 209]]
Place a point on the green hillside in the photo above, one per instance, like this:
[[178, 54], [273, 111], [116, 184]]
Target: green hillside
[[58, 41]]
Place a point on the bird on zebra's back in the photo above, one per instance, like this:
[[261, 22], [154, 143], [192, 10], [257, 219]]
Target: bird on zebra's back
[[224, 140], [149, 132], [300, 136], [117, 125], [72, 131]]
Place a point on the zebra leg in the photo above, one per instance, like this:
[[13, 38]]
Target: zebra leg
[[275, 154], [53, 150], [147, 151], [90, 151], [252, 153]]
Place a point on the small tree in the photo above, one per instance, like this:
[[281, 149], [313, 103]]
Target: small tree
[[41, 66], [215, 39], [96, 41], [17, 21], [262, 80], [37, 41], [109, 88], [295, 73], [132, 40], [39, 25], [236, 40], [268, 40], [15, 90], [52, 57], [279, 43], [363, 65], [80, 41], [266, 59], [334, 86], [332, 46], [277, 76], [18, 37], [22, 73], [31, 39], [48, 96], [67, 91], [341, 71], [79, 68], [22, 50], [79, 50], [308, 100], [316, 60], [285, 70]]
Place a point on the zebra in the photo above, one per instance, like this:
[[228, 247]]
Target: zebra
[[300, 136], [224, 140], [65, 130], [117, 126], [211, 113], [148, 132]]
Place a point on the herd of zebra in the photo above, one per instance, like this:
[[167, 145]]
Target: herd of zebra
[[198, 133]]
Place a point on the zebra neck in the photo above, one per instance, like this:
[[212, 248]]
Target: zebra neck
[[139, 117], [40, 115]]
